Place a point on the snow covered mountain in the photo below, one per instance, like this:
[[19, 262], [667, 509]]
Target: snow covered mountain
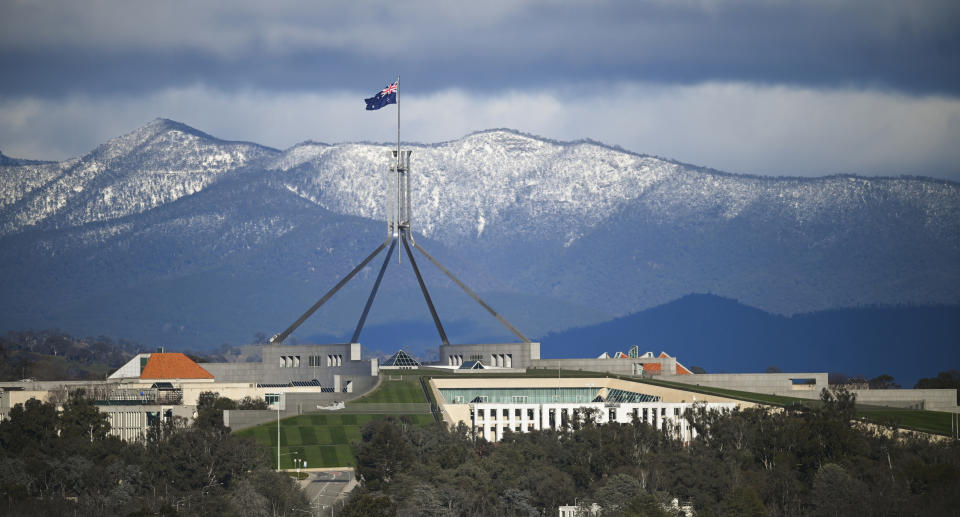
[[188, 238]]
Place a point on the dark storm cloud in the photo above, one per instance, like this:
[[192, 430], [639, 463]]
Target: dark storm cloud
[[74, 47], [809, 88]]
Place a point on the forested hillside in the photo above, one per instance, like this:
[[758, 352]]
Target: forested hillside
[[66, 464], [753, 462]]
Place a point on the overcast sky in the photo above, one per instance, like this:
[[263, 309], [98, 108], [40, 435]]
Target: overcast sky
[[806, 88]]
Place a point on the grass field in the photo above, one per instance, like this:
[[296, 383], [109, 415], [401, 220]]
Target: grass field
[[405, 391], [936, 422], [323, 440]]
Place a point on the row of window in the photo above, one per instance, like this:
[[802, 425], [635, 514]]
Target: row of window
[[647, 414], [293, 361], [498, 360]]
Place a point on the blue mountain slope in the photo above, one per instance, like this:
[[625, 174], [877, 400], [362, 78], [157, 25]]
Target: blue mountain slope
[[171, 236], [722, 335]]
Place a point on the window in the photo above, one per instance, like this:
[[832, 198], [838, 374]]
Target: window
[[272, 398], [676, 411], [530, 414], [506, 413], [519, 399], [516, 413], [480, 413], [296, 361]]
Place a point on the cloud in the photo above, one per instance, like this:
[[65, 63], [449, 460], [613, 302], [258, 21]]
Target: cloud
[[61, 47], [732, 126]]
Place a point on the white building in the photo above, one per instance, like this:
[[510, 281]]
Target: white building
[[492, 406]]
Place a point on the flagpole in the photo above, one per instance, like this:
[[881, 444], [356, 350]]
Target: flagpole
[[398, 123], [397, 223]]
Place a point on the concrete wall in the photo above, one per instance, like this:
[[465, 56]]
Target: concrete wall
[[283, 364], [10, 398], [771, 383], [511, 355], [454, 413], [130, 423], [295, 403], [490, 420], [632, 366], [930, 399]]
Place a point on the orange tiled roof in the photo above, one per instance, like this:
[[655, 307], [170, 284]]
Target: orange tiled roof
[[652, 367], [173, 366], [682, 370], [663, 355]]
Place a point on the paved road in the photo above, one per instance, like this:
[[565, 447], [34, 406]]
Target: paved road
[[323, 488]]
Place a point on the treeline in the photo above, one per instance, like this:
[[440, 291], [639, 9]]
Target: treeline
[[49, 355], [66, 464], [751, 462], [54, 355]]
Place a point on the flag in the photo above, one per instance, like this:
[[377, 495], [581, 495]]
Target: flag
[[386, 96]]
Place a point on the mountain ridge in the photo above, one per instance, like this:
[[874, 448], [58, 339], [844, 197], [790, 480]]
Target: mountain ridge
[[590, 231]]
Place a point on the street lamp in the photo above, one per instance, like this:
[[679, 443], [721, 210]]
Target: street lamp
[[299, 463], [278, 437]]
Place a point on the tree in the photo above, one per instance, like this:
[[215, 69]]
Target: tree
[[617, 492], [883, 382], [31, 424], [210, 407], [743, 501], [949, 379], [835, 493], [82, 420], [385, 452]]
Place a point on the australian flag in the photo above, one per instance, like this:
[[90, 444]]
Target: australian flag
[[386, 96]]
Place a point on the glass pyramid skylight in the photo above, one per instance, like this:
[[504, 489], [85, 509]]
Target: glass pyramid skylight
[[401, 359]]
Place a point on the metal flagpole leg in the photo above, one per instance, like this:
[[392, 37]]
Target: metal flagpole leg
[[472, 294], [426, 295], [373, 293], [283, 335]]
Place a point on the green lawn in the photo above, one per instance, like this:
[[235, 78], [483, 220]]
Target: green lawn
[[404, 391], [323, 440], [937, 422]]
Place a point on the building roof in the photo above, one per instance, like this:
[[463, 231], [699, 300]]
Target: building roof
[[652, 367], [173, 366], [472, 365], [400, 358]]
